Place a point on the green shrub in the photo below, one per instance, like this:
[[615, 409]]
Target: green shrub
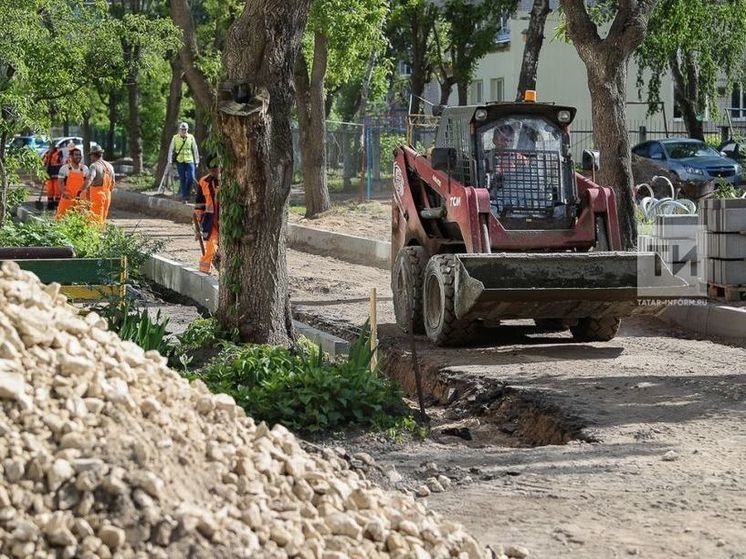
[[89, 240], [304, 391], [136, 325]]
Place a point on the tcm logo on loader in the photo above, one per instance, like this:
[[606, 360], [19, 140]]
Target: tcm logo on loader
[[455, 201]]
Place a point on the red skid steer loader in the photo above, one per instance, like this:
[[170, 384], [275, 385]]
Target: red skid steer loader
[[496, 224]]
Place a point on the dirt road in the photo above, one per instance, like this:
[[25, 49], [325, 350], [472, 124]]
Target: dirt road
[[663, 474]]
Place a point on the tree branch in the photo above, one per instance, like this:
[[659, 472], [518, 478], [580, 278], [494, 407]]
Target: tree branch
[[630, 24], [580, 28]]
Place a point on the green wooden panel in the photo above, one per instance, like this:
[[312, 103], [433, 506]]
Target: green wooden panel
[[71, 271]]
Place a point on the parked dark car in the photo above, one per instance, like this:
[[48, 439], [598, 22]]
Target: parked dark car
[[691, 160]]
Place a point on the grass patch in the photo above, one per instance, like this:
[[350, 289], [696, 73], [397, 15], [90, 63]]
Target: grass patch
[[301, 389], [138, 183]]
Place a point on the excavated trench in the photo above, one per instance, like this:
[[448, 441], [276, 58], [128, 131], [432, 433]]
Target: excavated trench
[[467, 408]]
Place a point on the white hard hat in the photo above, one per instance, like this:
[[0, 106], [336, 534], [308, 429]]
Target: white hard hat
[[184, 126]]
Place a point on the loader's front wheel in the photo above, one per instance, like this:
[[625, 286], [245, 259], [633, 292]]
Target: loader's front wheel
[[441, 324], [596, 329], [406, 286]]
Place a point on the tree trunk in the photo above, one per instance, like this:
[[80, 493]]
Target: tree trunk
[[417, 84], [532, 49], [173, 106], [66, 127], [686, 95], [608, 106], [113, 117], [202, 89], [201, 131], [606, 63], [312, 126], [134, 126], [463, 92], [446, 87], [254, 114], [87, 137]]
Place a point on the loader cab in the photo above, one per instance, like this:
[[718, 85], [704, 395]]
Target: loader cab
[[520, 153]]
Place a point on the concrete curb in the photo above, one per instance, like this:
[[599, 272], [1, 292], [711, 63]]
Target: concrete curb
[[711, 319], [203, 290], [356, 250]]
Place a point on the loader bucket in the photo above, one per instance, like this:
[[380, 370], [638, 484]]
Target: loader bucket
[[561, 285]]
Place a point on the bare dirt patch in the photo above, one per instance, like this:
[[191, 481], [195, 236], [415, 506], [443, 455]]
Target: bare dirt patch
[[371, 220], [664, 479]]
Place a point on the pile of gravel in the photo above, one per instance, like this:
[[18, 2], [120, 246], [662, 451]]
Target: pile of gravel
[[106, 452]]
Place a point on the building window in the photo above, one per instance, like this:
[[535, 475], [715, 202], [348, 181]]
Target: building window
[[405, 69], [738, 103], [476, 94], [497, 88], [503, 35]]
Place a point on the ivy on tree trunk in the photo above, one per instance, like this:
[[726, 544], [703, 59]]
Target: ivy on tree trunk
[[254, 111]]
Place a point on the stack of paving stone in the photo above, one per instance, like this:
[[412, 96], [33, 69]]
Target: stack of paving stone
[[724, 222]]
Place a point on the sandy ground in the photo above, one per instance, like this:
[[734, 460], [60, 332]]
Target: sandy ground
[[664, 477], [369, 219]]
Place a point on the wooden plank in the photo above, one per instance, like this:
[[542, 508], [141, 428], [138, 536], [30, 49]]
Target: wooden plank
[[90, 292], [69, 271]]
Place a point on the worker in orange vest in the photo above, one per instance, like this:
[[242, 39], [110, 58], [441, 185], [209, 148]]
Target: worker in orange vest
[[72, 177], [207, 212], [52, 160], [98, 185]]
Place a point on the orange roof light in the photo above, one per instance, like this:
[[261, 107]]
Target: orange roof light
[[529, 96]]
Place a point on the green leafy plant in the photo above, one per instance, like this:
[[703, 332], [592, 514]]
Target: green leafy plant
[[724, 189], [136, 325], [303, 390]]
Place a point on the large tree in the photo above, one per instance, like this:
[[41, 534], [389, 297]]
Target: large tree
[[532, 48], [409, 29], [700, 42], [254, 110], [470, 34], [605, 59], [339, 41]]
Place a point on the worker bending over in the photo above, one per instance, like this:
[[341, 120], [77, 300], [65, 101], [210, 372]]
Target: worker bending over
[[98, 186], [72, 177], [207, 210], [53, 162]]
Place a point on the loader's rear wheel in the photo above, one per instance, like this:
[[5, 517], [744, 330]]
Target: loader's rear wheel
[[596, 329], [441, 324], [406, 286]]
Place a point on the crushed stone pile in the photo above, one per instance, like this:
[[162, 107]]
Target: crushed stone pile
[[106, 452]]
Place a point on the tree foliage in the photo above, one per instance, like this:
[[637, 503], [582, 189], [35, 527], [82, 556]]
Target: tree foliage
[[699, 42]]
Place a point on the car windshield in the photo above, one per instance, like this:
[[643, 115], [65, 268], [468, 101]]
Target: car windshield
[[684, 150]]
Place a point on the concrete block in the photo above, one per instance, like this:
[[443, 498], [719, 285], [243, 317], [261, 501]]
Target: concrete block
[[709, 319], [729, 220], [676, 226], [729, 272], [726, 246], [157, 206], [328, 342]]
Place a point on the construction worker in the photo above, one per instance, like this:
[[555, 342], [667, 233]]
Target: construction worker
[[52, 160], [207, 210], [67, 152], [72, 177], [98, 185], [183, 150]]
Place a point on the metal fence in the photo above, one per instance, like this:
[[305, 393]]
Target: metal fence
[[581, 136], [359, 155]]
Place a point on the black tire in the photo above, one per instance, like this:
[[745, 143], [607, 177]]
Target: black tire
[[441, 324], [406, 287], [596, 329], [550, 324]]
